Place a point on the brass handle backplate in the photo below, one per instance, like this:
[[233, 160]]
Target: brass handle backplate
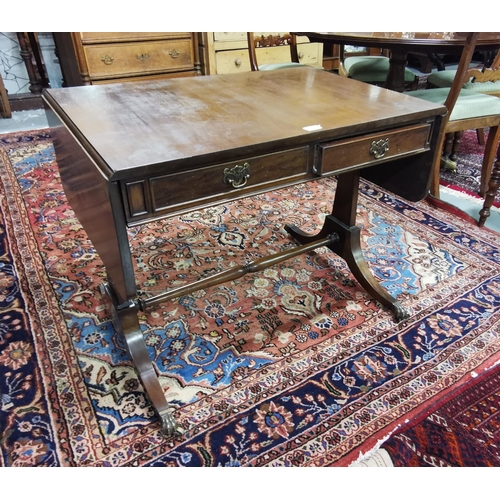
[[174, 53], [379, 148], [237, 176], [107, 59]]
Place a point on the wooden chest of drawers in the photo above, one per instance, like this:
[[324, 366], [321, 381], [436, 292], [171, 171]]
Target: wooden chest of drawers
[[105, 57], [226, 52]]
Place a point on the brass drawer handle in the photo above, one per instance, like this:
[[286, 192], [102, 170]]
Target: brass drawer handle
[[107, 59], [379, 148], [174, 53], [143, 57], [237, 176]]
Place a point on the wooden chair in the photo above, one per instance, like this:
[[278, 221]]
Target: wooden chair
[[481, 79], [255, 42], [467, 110], [5, 110], [371, 69]]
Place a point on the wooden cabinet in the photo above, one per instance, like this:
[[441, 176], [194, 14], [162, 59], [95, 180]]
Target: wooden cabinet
[[105, 57], [226, 52]]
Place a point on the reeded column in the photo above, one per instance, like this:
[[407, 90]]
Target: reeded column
[[27, 56]]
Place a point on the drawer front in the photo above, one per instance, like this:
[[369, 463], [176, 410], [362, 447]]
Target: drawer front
[[164, 194], [230, 36], [128, 36], [128, 59], [238, 39], [372, 149], [236, 61]]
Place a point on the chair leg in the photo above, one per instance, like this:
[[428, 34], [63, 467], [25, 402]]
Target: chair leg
[[448, 143], [457, 140], [480, 136], [493, 185], [436, 170], [488, 159], [446, 162]]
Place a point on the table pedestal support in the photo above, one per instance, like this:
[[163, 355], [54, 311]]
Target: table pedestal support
[[339, 234], [342, 222]]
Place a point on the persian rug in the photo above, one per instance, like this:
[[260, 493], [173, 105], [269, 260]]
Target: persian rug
[[293, 366], [467, 178], [463, 432]]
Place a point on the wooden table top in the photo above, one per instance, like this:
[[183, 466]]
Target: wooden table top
[[423, 40], [157, 122]]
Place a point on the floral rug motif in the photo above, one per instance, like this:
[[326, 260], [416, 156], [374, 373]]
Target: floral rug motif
[[293, 366], [467, 178]]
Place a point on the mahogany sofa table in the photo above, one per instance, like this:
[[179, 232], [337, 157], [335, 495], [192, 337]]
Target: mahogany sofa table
[[129, 153]]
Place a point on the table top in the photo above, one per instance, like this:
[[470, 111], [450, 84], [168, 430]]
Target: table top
[[216, 118], [430, 41]]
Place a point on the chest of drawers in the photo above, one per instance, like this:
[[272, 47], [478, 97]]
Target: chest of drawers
[[106, 57]]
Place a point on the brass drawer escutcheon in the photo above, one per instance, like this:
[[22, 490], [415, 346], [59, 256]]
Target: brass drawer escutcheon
[[107, 59], [174, 53], [379, 148], [142, 57], [237, 176]]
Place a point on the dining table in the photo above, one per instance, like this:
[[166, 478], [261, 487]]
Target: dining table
[[401, 43]]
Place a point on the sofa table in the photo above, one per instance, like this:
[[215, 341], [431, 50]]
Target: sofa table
[[129, 153]]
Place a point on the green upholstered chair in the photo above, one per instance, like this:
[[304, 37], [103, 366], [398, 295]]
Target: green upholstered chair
[[467, 110], [372, 69], [478, 81], [272, 41], [445, 78]]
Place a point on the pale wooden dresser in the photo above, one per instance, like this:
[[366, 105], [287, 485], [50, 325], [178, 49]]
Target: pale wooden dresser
[[227, 52]]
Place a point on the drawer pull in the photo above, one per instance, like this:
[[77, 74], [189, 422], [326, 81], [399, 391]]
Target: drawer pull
[[143, 57], [379, 148], [174, 53], [107, 59], [237, 62], [237, 176]]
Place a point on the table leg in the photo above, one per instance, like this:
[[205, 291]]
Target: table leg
[[342, 222], [395, 79], [126, 323], [98, 205]]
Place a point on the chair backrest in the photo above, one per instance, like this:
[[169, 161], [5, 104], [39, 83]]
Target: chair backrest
[[270, 41], [461, 75], [490, 74]]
